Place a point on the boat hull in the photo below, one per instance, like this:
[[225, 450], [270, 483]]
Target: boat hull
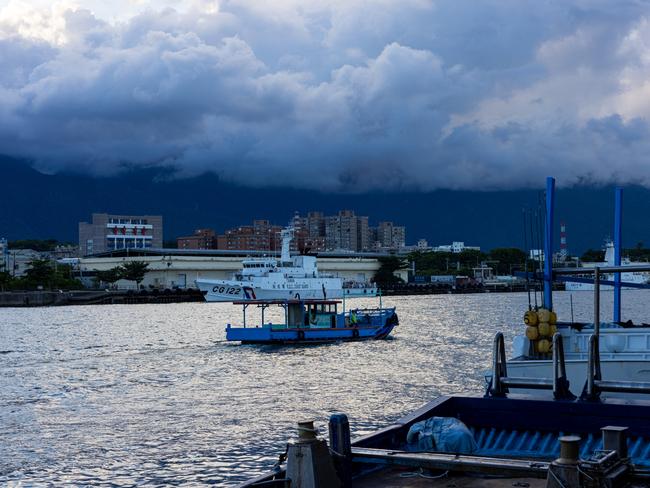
[[506, 431], [576, 370], [373, 324], [265, 335], [575, 286], [228, 291]]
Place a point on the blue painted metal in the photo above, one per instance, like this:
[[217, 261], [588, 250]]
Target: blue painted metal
[[546, 445], [514, 428], [618, 237], [520, 427], [548, 244], [371, 324]]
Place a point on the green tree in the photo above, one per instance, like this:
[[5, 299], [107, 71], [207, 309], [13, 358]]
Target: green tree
[[441, 263], [50, 275], [638, 253], [6, 281], [507, 258], [109, 276], [593, 256], [134, 271], [39, 273], [40, 245], [386, 272]]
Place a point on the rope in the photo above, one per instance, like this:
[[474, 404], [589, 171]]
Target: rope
[[420, 474], [557, 479], [281, 459]]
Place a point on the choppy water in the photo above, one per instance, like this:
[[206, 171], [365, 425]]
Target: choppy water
[[149, 394]]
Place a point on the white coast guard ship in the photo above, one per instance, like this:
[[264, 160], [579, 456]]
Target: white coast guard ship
[[287, 278], [638, 277]]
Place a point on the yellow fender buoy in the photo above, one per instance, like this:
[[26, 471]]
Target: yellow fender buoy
[[530, 318], [532, 333], [544, 346], [553, 318], [543, 315], [544, 329], [553, 330]]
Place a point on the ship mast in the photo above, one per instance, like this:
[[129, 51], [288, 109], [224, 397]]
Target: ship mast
[[287, 236]]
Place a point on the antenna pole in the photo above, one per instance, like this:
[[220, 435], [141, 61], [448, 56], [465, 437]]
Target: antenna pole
[[526, 259], [532, 243], [548, 244], [618, 235]]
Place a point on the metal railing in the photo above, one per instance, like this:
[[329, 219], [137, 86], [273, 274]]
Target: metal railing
[[597, 271], [595, 382], [501, 382]]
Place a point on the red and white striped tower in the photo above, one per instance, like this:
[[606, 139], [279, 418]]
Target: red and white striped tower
[[563, 249]]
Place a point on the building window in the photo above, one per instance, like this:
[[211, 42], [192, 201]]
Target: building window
[[89, 246]]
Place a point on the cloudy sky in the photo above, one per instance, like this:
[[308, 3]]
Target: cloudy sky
[[332, 95]]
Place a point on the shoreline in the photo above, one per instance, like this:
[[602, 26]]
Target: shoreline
[[127, 297], [96, 297]]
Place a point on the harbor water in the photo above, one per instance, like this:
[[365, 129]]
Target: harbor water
[[124, 395]]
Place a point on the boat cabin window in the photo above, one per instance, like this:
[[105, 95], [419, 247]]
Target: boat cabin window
[[322, 308]]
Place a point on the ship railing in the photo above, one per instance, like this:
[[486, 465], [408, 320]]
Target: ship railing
[[595, 384], [597, 271], [501, 383]]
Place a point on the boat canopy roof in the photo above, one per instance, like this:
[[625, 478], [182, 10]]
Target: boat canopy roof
[[287, 302]]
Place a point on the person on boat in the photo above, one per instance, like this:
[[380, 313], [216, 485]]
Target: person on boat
[[353, 318]]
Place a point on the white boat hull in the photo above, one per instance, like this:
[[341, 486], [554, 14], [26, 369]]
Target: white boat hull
[[624, 356], [576, 370], [228, 291], [572, 286]]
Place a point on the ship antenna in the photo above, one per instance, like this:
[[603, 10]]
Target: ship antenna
[[523, 212], [532, 243]]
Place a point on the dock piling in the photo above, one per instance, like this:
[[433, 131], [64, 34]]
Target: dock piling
[[341, 447]]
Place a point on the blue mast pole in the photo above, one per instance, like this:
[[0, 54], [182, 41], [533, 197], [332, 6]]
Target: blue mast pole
[[618, 237], [548, 244]]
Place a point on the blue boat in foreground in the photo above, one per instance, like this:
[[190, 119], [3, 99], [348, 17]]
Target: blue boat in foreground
[[499, 440], [313, 321]]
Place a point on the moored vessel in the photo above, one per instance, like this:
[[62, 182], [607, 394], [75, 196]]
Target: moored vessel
[[500, 439], [623, 348], [630, 278]]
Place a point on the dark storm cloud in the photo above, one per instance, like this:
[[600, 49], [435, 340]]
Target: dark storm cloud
[[344, 96]]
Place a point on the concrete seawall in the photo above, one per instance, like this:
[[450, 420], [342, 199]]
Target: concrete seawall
[[58, 298]]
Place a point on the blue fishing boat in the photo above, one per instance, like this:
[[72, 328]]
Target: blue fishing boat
[[478, 442], [313, 321]]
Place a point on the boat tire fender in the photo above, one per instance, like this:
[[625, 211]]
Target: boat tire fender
[[301, 335], [355, 333]]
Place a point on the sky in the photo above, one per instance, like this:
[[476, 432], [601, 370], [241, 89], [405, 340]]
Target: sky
[[332, 96]]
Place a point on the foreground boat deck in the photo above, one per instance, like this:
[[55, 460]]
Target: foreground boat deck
[[407, 478]]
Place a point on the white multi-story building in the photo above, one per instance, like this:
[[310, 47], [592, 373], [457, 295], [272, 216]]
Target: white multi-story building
[[455, 247], [113, 232]]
